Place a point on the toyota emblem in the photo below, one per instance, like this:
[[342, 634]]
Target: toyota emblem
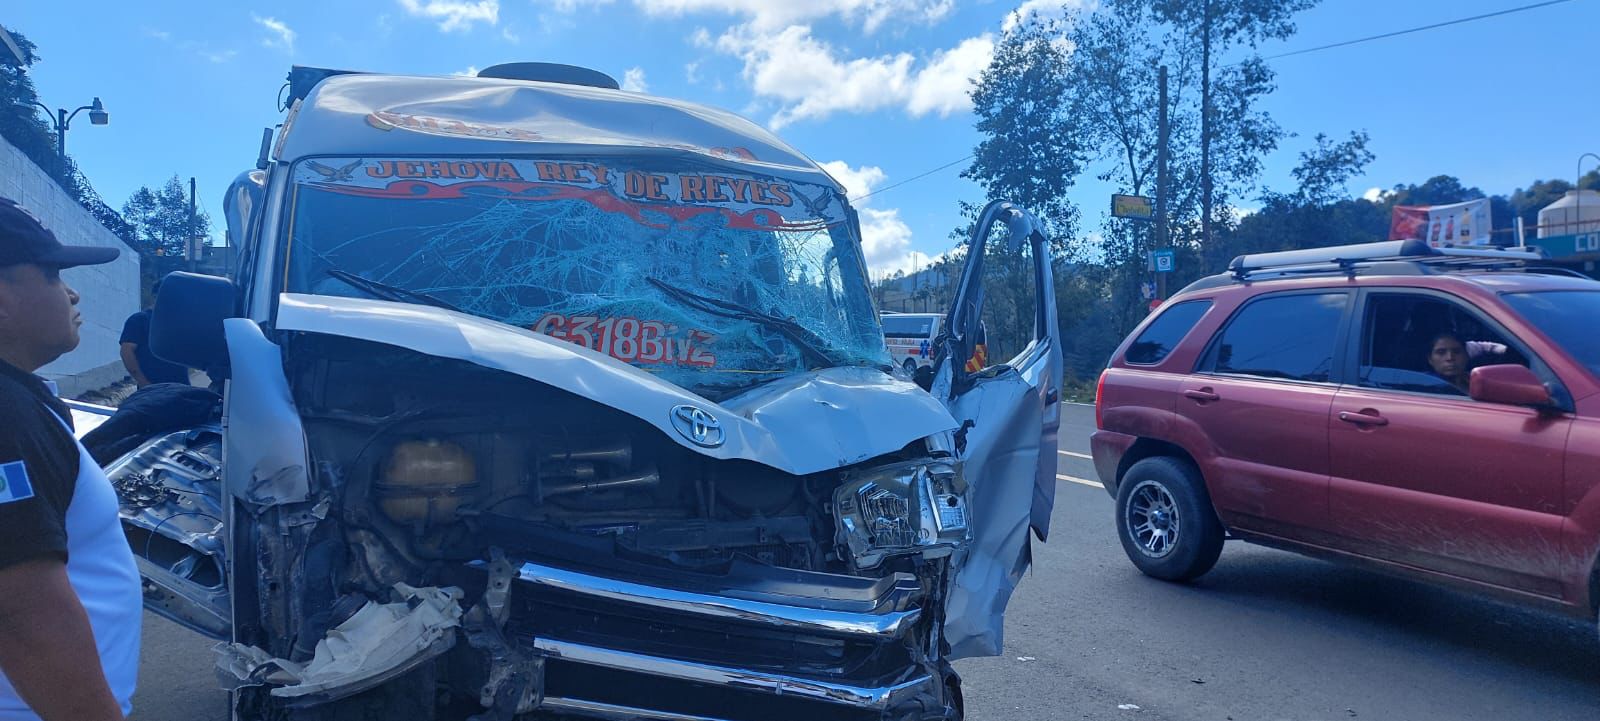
[[697, 425]]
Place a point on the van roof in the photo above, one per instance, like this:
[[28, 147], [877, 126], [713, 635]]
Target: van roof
[[395, 115]]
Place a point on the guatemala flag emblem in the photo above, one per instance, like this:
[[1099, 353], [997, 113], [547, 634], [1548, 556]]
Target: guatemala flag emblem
[[14, 483]]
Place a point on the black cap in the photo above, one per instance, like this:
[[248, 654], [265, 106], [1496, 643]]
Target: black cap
[[23, 239]]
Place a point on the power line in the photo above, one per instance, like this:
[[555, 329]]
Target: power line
[[918, 176], [1397, 33]]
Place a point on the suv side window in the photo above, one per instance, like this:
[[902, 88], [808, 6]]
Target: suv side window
[[1165, 332], [1292, 337], [1400, 330]]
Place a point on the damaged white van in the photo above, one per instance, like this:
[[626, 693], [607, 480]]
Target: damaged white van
[[550, 399]]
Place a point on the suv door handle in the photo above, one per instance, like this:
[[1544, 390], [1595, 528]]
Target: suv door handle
[[1362, 419], [1203, 395]]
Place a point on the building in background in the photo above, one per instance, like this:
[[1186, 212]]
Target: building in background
[[110, 292], [1569, 231]]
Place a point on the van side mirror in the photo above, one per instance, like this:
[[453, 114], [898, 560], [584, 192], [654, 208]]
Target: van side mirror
[[186, 325], [1509, 384]]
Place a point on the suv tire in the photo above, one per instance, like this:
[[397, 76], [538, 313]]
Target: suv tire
[[1165, 520]]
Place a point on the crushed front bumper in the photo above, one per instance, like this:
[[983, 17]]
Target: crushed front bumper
[[619, 649]]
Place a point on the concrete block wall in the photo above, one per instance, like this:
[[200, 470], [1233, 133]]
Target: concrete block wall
[[110, 292]]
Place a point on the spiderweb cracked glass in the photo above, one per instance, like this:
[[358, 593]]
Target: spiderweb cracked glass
[[517, 261]]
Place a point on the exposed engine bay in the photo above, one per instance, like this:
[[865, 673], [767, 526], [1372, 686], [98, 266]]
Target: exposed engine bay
[[492, 493]]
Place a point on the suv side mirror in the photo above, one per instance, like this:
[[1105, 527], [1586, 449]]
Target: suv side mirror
[[1509, 384], [186, 325]]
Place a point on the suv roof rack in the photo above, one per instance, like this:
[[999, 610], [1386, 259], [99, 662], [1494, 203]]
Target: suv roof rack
[[1393, 257]]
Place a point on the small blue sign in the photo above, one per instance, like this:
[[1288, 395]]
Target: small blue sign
[[1165, 259]]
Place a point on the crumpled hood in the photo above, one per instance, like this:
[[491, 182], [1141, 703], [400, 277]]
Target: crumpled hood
[[806, 423]]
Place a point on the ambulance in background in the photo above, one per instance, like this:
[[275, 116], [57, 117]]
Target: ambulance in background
[[910, 337]]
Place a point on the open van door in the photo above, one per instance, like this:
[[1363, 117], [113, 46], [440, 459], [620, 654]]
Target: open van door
[[1009, 411]]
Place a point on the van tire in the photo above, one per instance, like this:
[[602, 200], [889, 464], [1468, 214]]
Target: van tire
[[910, 365], [1165, 520]]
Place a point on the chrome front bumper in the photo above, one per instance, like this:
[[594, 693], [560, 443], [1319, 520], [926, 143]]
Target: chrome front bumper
[[882, 625]]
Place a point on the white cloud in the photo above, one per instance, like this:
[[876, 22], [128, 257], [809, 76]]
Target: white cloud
[[774, 14], [218, 57], [885, 238], [691, 73], [1044, 10], [701, 38], [470, 72], [633, 81], [885, 241], [569, 6], [856, 181], [455, 14], [161, 35], [945, 85], [1374, 194], [280, 36], [509, 36], [811, 81]]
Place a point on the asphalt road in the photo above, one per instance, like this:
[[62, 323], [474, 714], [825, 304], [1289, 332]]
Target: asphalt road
[[1265, 636]]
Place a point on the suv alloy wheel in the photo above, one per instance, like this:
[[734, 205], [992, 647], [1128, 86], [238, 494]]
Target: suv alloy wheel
[[1165, 520]]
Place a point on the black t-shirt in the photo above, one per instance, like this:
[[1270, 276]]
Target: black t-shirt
[[137, 332], [38, 469]]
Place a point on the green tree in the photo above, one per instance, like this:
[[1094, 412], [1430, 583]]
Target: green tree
[[19, 119], [160, 219], [1029, 154], [1214, 27], [21, 126], [1325, 171]]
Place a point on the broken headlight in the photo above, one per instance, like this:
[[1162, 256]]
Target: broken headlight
[[916, 507]]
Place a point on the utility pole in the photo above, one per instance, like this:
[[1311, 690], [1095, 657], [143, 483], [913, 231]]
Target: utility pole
[[1163, 130], [1205, 127], [193, 240]]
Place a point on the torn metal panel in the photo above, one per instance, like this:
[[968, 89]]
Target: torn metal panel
[[1005, 446], [801, 424], [376, 645], [168, 493], [267, 464]]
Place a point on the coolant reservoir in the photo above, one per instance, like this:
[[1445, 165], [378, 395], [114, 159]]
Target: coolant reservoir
[[424, 482]]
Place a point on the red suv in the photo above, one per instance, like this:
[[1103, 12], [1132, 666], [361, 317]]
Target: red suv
[[1433, 412]]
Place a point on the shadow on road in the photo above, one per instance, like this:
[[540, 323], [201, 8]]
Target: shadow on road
[[1366, 602]]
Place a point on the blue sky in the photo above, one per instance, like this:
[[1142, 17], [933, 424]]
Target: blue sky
[[873, 88]]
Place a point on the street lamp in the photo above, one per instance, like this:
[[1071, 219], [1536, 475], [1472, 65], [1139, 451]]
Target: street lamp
[[63, 121]]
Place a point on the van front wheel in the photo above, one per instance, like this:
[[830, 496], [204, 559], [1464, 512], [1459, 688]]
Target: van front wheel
[[1165, 520]]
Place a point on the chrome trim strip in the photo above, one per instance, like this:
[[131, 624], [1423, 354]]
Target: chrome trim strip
[[881, 626], [613, 712], [775, 684]]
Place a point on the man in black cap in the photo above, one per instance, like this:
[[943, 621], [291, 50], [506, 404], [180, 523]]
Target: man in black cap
[[70, 604]]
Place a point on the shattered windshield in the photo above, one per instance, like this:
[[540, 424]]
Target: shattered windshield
[[710, 279]]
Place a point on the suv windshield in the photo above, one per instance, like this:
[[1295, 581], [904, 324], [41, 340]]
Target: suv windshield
[[711, 279], [1567, 316]]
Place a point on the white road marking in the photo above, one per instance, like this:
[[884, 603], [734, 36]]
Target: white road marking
[[1073, 454], [1080, 481]]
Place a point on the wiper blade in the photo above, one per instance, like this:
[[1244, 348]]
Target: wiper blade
[[808, 342], [391, 292]]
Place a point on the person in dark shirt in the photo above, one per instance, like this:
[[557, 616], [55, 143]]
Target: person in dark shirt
[[70, 598], [142, 365]]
